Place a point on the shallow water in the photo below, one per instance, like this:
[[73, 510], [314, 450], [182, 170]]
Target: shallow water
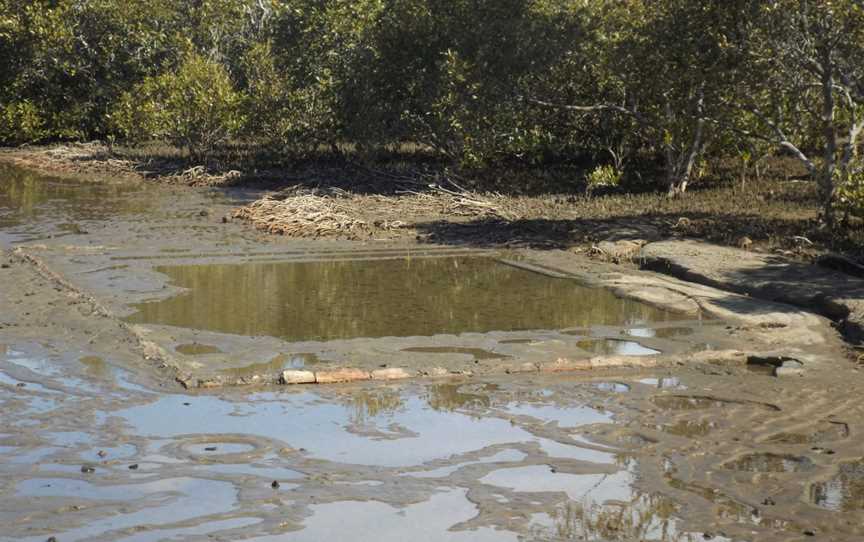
[[408, 297], [94, 448]]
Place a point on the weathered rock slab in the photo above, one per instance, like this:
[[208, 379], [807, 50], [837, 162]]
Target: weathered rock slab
[[833, 294]]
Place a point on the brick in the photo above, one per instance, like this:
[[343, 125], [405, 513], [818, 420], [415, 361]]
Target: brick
[[298, 377], [341, 375]]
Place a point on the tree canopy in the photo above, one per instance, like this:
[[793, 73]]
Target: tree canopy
[[668, 82]]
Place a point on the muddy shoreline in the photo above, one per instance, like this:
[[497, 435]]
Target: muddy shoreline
[[746, 426]]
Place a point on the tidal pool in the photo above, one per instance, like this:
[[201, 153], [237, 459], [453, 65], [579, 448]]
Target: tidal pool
[[382, 298]]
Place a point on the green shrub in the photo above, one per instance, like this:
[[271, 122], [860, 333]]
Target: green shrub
[[20, 122], [603, 176], [850, 195], [194, 107]]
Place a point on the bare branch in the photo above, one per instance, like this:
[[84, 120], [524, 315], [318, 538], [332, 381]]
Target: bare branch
[[783, 141], [591, 109]]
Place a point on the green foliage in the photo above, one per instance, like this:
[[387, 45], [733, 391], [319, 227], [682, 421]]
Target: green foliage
[[195, 107], [850, 194], [603, 176], [20, 122], [667, 84]]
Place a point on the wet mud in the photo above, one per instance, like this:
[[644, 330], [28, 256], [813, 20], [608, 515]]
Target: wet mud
[[98, 443]]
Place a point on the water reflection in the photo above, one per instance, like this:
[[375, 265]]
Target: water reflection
[[409, 297], [27, 197], [844, 492]]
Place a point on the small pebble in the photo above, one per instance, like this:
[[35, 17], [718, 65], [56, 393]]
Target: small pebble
[[809, 533], [134, 466], [769, 502], [51, 539], [210, 449]]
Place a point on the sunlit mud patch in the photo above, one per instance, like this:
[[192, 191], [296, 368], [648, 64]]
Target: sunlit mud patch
[[330, 300], [768, 462], [844, 492]]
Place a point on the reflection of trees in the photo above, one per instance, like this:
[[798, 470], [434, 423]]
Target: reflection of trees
[[845, 492], [367, 404], [420, 296], [24, 191], [648, 517], [448, 397]]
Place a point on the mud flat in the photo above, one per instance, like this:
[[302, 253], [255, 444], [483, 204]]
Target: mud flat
[[638, 406], [214, 303]]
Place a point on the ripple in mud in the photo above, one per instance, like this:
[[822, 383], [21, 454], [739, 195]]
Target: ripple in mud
[[689, 428], [826, 431], [768, 462], [699, 402]]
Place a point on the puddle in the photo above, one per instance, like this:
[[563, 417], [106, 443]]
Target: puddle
[[768, 462], [504, 456], [477, 353], [162, 502], [275, 366], [664, 382], [598, 487], [616, 347], [380, 298], [660, 333], [844, 492], [614, 387], [423, 433], [197, 349], [434, 519], [37, 201]]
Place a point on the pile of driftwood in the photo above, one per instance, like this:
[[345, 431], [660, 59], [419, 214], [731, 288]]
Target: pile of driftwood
[[298, 213], [304, 212]]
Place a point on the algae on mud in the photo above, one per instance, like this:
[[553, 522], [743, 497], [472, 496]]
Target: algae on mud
[[408, 297]]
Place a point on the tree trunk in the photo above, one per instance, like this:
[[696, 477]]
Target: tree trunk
[[829, 130]]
